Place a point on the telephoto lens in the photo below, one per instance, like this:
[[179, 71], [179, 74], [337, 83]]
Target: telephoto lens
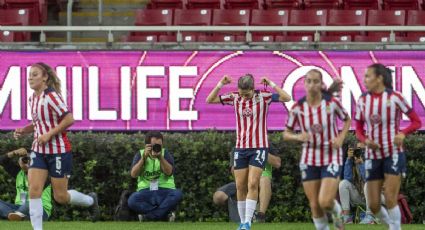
[[157, 148], [25, 160]]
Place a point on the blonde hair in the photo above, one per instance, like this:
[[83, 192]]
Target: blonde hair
[[52, 78]]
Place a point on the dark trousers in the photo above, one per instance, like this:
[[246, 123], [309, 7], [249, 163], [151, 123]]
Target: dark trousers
[[6, 208], [155, 205]]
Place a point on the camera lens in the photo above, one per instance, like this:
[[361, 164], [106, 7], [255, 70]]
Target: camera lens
[[25, 160], [157, 148]]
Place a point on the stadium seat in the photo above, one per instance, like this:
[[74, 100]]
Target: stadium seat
[[166, 4], [283, 4], [173, 38], [243, 4], [322, 4], [402, 4], [153, 17], [263, 38], [346, 18], [412, 38], [306, 18], [141, 38], [362, 4], [385, 18], [192, 17], [271, 17], [7, 36], [304, 38], [231, 18], [37, 9], [205, 4], [221, 38], [415, 18], [372, 38], [17, 18], [342, 38]]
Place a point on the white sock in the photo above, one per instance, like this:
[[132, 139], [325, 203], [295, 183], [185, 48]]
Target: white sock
[[395, 216], [241, 210], [251, 205], [384, 217], [321, 223], [36, 213], [337, 210], [80, 199]]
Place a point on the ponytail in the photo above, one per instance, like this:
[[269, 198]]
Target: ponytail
[[386, 73], [52, 79]]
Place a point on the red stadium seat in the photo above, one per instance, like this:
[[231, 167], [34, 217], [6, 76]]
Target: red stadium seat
[[37, 9], [272, 17], [192, 17], [346, 18], [372, 38], [221, 38], [16, 18], [243, 4], [415, 18], [362, 4], [305, 38], [231, 18], [142, 38], [153, 17], [263, 38], [7, 36], [412, 38], [322, 4], [283, 4], [205, 4], [328, 38], [173, 38], [402, 4], [385, 18], [307, 18], [166, 4]]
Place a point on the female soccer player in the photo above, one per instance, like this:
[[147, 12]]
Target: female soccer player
[[321, 158], [380, 108], [251, 107], [51, 150]]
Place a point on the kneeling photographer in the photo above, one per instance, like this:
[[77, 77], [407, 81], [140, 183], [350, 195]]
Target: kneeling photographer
[[352, 188], [19, 210], [156, 195]]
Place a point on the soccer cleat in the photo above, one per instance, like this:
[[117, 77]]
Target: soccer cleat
[[259, 217], [247, 226], [94, 209], [347, 219], [368, 219], [16, 216], [338, 222], [241, 227]]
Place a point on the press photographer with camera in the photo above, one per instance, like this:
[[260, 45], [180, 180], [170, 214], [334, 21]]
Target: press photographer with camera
[[352, 188], [156, 195], [19, 210]]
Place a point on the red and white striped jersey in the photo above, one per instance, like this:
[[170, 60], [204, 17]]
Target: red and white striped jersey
[[320, 122], [382, 114], [47, 110], [251, 118]]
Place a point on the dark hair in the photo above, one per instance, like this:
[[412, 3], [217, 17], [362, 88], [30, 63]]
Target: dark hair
[[52, 78], [153, 134], [386, 73], [336, 85], [246, 82]]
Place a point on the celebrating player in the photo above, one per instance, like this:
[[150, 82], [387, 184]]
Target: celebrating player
[[380, 108], [321, 159], [51, 149], [251, 107]]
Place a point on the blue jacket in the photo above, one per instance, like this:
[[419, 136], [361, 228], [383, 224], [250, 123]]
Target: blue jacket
[[348, 170]]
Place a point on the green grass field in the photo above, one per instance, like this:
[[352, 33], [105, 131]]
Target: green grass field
[[4, 225]]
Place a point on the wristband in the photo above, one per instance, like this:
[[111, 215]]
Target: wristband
[[272, 84]]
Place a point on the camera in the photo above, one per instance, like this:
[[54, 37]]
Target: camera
[[157, 148], [25, 160], [358, 153]]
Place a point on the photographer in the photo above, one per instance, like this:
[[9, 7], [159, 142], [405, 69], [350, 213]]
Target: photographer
[[156, 195], [20, 209], [352, 187]]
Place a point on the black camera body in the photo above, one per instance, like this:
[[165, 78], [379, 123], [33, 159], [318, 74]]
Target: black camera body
[[358, 153], [157, 148], [25, 160]]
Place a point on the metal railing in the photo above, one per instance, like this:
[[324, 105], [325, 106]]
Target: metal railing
[[69, 17], [179, 29]]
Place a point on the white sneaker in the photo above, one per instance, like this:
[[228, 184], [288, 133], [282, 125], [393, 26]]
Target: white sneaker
[[16, 216]]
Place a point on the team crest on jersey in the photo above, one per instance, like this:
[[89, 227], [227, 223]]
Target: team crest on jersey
[[328, 109], [375, 119], [388, 103], [247, 112], [316, 128]]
